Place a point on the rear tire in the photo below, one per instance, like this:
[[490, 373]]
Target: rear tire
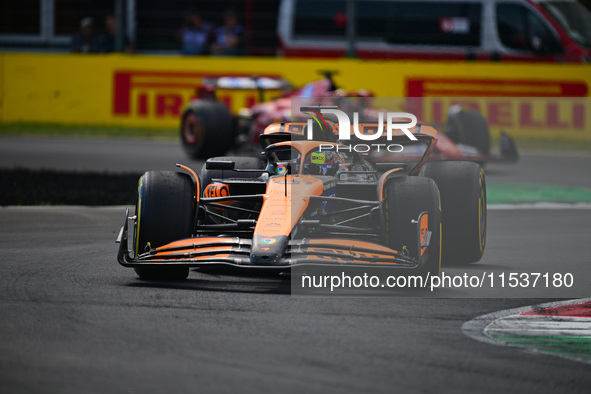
[[405, 199], [207, 129], [165, 212], [463, 203], [470, 128]]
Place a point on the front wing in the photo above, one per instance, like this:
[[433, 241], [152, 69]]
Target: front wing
[[236, 251]]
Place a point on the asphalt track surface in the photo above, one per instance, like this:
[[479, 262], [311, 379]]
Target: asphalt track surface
[[90, 154], [74, 321]]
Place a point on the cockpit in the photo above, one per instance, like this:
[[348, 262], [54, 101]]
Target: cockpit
[[287, 158]]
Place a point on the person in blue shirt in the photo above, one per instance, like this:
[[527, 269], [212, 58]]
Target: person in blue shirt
[[108, 39], [229, 37], [86, 41], [196, 35]]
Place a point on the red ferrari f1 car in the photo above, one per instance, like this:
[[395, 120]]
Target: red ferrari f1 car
[[208, 128], [309, 202]]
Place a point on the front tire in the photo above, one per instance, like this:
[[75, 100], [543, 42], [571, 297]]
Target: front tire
[[463, 202], [165, 212], [405, 199]]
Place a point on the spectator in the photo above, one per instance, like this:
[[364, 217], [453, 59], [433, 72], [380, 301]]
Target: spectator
[[196, 35], [108, 39], [228, 40], [86, 41]]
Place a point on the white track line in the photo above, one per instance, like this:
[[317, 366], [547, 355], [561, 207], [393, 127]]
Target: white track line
[[540, 206], [478, 327]]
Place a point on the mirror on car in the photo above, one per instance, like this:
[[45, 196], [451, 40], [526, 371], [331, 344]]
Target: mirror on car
[[219, 165]]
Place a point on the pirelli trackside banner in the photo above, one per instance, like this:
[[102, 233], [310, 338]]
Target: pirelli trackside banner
[[151, 91]]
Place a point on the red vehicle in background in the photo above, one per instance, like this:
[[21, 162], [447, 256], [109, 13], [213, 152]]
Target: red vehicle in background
[[209, 129], [497, 30]]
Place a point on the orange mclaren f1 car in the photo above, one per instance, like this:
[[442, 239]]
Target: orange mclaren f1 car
[[309, 202]]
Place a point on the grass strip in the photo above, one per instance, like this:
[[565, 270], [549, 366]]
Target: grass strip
[[516, 193]]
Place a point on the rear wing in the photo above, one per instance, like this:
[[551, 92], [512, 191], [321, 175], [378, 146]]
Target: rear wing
[[254, 89]]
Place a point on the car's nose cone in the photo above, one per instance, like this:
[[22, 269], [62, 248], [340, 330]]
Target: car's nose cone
[[267, 250]]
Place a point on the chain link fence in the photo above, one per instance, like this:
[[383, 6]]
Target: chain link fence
[[149, 26]]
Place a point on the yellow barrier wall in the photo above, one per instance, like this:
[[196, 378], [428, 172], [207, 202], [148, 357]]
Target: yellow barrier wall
[[150, 91]]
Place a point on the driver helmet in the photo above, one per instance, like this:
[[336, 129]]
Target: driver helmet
[[320, 163]]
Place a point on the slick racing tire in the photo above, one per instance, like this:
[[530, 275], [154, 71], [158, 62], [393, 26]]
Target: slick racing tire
[[240, 163], [463, 203], [165, 212], [404, 200], [469, 127], [207, 129]]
